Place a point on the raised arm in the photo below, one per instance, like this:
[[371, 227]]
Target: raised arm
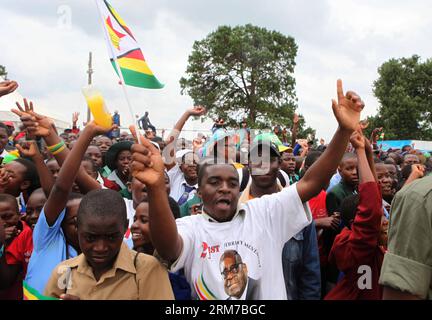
[[294, 129], [41, 126], [347, 112], [7, 87], [59, 194], [172, 137], [364, 167], [148, 168], [357, 248], [30, 150]]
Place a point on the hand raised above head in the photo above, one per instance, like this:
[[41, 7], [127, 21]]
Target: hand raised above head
[[7, 87], [197, 111], [357, 140], [347, 109], [97, 129], [35, 124], [75, 117]]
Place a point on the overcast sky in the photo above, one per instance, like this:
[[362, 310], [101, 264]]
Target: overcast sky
[[344, 39]]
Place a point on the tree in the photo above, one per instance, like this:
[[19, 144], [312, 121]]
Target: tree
[[404, 90], [3, 72], [245, 72]]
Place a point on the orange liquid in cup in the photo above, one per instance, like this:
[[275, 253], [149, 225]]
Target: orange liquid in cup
[[97, 106]]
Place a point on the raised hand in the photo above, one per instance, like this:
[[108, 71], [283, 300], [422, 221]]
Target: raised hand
[[28, 149], [357, 140], [197, 111], [364, 124], [35, 124], [375, 134], [147, 165], [7, 87], [75, 116], [99, 130], [303, 143], [347, 109], [296, 118]]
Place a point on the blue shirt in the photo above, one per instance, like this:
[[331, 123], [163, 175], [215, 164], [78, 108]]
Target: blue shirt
[[334, 181], [49, 249]]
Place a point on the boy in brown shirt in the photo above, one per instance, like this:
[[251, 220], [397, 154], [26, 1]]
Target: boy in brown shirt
[[107, 268]]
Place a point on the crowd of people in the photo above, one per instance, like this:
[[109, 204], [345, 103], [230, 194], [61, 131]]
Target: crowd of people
[[233, 215]]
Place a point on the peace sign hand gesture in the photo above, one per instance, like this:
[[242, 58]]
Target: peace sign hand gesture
[[35, 124]]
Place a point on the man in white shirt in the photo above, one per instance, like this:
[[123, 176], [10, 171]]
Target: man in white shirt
[[184, 177], [257, 230]]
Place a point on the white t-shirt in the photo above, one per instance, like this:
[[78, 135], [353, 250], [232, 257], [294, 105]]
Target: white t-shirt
[[177, 184], [130, 211], [257, 232]]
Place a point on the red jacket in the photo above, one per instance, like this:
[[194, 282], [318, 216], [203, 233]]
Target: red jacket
[[358, 247], [18, 252], [318, 208]]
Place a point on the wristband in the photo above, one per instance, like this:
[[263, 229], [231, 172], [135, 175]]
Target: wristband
[[59, 150], [1, 250], [56, 147]]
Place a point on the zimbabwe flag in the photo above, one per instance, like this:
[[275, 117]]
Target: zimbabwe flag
[[32, 294], [123, 47]]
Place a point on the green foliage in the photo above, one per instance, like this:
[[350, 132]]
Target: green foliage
[[404, 90], [244, 72], [3, 72]]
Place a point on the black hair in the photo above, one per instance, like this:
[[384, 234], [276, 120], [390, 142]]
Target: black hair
[[405, 172], [405, 147], [30, 174], [2, 125], [348, 209], [348, 156], [175, 208], [8, 129], [389, 160], [74, 196], [208, 162], [102, 203], [5, 197], [312, 157], [157, 139]]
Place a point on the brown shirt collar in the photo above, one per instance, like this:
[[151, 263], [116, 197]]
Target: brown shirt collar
[[124, 261]]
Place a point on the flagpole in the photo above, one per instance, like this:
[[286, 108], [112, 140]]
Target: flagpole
[[131, 109]]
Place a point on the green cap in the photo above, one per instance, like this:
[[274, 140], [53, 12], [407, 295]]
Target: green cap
[[268, 136], [9, 158]]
